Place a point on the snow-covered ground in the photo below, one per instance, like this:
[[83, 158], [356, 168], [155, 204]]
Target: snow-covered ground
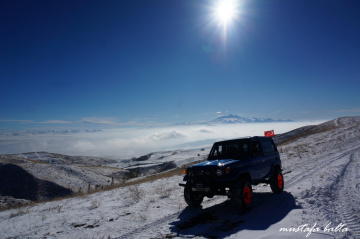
[[79, 173], [321, 200]]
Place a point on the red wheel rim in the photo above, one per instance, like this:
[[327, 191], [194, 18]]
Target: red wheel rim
[[280, 181], [247, 195]]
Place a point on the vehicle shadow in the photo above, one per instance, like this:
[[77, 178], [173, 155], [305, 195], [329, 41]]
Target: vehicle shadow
[[222, 220]]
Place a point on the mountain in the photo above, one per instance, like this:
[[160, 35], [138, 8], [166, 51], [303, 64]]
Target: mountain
[[321, 171], [234, 119]]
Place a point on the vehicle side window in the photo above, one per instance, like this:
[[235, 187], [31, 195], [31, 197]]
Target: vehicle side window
[[218, 150], [244, 150], [255, 149], [268, 147], [233, 149], [230, 149]]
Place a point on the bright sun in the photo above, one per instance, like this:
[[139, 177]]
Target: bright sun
[[226, 11]]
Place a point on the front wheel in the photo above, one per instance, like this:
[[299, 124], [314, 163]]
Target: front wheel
[[242, 194], [192, 198], [277, 182]]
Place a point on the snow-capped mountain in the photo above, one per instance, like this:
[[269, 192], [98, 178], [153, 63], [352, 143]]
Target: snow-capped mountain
[[232, 119]]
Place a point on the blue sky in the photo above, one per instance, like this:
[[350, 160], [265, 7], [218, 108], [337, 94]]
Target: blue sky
[[149, 62]]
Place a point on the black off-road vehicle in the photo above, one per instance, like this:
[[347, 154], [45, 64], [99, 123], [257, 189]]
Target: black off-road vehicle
[[232, 167]]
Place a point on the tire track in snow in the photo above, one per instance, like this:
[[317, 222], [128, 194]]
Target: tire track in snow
[[149, 226], [156, 224], [301, 176], [344, 187], [345, 144], [347, 195]]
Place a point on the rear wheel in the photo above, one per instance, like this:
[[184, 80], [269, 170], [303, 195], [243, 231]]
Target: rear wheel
[[242, 194], [192, 198], [277, 181]]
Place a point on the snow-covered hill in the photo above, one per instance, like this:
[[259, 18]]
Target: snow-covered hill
[[321, 200], [72, 173], [52, 158], [82, 173]]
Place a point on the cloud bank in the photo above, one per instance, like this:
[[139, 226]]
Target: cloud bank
[[124, 143]]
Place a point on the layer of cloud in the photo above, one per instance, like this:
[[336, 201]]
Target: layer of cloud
[[124, 143], [109, 121], [37, 122], [356, 110], [206, 130], [173, 134], [55, 122], [99, 120], [85, 120], [16, 121]]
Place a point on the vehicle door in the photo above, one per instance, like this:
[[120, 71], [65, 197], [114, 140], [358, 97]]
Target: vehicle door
[[258, 170], [270, 155]]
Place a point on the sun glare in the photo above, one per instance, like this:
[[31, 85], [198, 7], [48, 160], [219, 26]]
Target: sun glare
[[226, 11], [224, 19]]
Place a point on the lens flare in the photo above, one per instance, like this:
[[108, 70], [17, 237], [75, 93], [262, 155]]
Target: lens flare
[[226, 11], [225, 14]]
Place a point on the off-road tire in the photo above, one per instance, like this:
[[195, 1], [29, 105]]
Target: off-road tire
[[242, 194], [192, 199], [277, 182]]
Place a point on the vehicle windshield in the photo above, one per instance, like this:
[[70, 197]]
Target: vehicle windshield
[[230, 150]]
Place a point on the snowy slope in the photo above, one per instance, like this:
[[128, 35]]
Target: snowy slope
[[70, 172], [322, 192], [80, 173], [53, 158]]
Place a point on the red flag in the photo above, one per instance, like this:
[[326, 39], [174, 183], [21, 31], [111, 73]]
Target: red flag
[[269, 133]]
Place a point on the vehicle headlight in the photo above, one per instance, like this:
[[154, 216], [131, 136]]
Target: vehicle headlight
[[219, 172]]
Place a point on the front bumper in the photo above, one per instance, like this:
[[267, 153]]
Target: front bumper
[[197, 188]]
